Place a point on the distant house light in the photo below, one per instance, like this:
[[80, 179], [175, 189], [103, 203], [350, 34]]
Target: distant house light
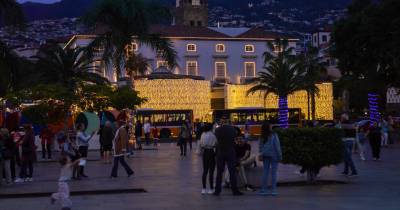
[[220, 48]]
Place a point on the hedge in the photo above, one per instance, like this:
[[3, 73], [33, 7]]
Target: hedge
[[311, 148]]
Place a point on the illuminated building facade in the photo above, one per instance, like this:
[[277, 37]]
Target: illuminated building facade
[[236, 97]]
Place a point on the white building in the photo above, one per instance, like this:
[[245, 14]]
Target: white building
[[227, 55]]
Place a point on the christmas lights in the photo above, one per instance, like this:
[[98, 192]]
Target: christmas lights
[[374, 114]]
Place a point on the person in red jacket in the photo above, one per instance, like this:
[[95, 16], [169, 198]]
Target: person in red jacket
[[46, 137]]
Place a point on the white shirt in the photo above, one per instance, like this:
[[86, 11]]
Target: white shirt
[[147, 128], [208, 140]]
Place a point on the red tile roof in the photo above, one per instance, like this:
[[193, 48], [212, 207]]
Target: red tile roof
[[261, 33], [186, 31]]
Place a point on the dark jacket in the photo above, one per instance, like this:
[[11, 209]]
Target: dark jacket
[[9, 148], [107, 136], [138, 130], [28, 147], [226, 135]]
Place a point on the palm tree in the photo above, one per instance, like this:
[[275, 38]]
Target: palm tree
[[282, 76], [122, 22], [10, 13], [68, 71], [315, 69]]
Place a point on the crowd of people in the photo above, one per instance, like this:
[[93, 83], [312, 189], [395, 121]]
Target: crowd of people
[[223, 147]]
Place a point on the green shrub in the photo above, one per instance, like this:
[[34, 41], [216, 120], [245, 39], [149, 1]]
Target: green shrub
[[311, 148]]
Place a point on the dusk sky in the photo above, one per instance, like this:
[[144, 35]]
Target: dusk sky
[[41, 1]]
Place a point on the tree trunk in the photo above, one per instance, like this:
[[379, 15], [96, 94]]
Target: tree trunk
[[283, 112], [308, 105], [313, 106]]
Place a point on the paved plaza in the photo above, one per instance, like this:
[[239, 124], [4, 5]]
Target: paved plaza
[[173, 183]]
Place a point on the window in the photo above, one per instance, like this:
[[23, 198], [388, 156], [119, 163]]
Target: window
[[220, 48], [191, 68], [220, 69], [249, 69], [162, 63], [191, 48], [199, 23], [196, 2], [99, 68], [278, 49], [249, 48], [131, 48], [324, 38]]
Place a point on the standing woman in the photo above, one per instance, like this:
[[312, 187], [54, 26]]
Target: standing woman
[[28, 155], [270, 154], [107, 136], [208, 143], [8, 153], [375, 141], [83, 143], [183, 138], [138, 134]]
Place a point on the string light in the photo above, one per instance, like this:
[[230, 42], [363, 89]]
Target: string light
[[374, 114], [236, 96], [283, 112]]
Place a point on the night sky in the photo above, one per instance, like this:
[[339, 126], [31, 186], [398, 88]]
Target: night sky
[[41, 1]]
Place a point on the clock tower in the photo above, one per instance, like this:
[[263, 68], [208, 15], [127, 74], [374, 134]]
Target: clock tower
[[191, 13]]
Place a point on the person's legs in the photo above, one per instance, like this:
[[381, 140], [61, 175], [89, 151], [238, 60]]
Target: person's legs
[[43, 151], [147, 138], [373, 147], [231, 162], [181, 148], [83, 151], [211, 170], [7, 171], [30, 167], [190, 141], [266, 167], [1, 170], [184, 147], [274, 174], [242, 174], [349, 144], [12, 168], [114, 171], [49, 150], [23, 173], [128, 169], [220, 170], [205, 169], [378, 151], [385, 137]]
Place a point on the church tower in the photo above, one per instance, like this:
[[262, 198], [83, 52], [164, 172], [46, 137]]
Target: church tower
[[191, 12]]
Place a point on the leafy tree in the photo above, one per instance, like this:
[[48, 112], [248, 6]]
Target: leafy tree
[[125, 98], [282, 75], [10, 13], [119, 23], [366, 45]]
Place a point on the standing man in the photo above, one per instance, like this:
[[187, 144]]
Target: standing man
[[147, 131], [120, 139], [226, 135], [138, 134]]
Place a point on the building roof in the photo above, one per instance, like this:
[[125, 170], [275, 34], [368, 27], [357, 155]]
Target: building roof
[[186, 31], [259, 33]]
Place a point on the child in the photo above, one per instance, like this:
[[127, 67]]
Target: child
[[63, 188]]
